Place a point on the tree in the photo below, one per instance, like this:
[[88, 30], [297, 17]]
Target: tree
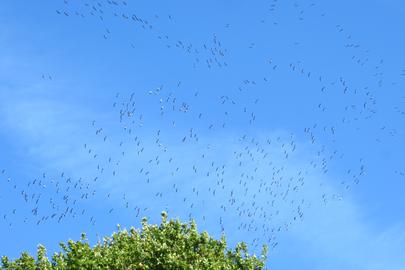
[[171, 245]]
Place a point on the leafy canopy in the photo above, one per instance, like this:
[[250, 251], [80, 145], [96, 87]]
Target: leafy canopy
[[171, 245]]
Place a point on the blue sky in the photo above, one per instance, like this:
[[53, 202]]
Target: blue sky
[[280, 121]]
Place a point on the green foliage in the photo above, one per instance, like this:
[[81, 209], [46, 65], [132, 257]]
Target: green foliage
[[171, 245]]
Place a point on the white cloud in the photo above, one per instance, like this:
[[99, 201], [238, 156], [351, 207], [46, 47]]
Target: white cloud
[[338, 235]]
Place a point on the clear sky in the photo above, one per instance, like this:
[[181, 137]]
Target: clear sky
[[279, 122]]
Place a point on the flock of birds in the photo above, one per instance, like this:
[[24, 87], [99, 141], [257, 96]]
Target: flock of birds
[[180, 153]]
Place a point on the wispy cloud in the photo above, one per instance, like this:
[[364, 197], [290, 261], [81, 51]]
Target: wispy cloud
[[338, 236]]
